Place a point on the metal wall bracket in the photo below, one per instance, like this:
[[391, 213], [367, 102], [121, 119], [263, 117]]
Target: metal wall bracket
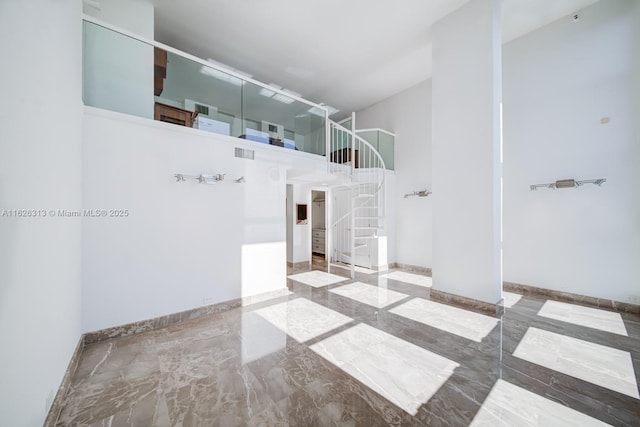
[[568, 183]]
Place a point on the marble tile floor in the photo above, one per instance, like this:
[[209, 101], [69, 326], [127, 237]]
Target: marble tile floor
[[509, 299], [317, 278], [464, 323], [411, 278], [598, 364], [341, 354], [375, 296], [510, 405]]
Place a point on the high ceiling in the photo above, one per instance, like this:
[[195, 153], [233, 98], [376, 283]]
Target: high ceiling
[[348, 54]]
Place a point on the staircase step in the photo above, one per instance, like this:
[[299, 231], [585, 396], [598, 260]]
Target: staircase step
[[367, 228], [365, 237], [348, 254], [369, 217], [366, 207], [364, 196]]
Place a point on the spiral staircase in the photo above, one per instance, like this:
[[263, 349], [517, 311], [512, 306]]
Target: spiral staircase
[[358, 213]]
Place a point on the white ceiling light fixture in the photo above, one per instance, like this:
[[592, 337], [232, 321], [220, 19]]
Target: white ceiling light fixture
[[283, 98], [292, 93], [320, 112], [332, 110], [266, 92], [220, 74], [317, 111], [279, 96], [93, 3]]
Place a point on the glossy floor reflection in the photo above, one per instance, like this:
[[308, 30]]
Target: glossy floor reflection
[[584, 316], [509, 299], [369, 351], [404, 373], [598, 364], [317, 278], [375, 296], [302, 319], [411, 278], [464, 323], [510, 405]]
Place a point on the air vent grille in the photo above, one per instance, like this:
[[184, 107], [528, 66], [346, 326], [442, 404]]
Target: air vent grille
[[243, 153], [202, 109]]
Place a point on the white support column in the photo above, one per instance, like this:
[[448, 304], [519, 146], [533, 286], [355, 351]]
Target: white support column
[[466, 152], [40, 171]]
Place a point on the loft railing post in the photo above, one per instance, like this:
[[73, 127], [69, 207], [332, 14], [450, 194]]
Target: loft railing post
[[352, 249], [353, 143], [328, 137], [352, 233], [328, 195]]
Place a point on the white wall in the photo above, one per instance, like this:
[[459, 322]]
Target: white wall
[[408, 115], [40, 168], [301, 242], [118, 72], [559, 82], [184, 244], [291, 220]]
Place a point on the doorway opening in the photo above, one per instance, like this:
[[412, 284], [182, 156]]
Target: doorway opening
[[318, 228]]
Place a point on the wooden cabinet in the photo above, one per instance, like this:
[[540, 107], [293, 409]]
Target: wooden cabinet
[[318, 240], [175, 115], [343, 155], [159, 69]]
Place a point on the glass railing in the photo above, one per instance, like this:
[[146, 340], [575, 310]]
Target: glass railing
[[346, 123], [127, 75], [382, 141]]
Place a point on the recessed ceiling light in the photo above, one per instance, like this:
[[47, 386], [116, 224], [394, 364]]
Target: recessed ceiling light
[[266, 92], [292, 93], [219, 72], [221, 75], [283, 98], [321, 112], [332, 110], [317, 111]]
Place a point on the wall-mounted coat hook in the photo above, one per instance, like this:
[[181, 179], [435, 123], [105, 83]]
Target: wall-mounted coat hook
[[202, 178], [420, 193]]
